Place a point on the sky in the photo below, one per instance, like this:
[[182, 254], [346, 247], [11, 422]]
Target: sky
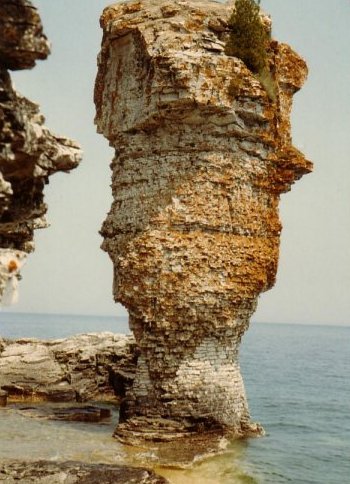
[[69, 273]]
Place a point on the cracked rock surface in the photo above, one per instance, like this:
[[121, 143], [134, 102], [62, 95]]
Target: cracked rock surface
[[80, 368], [194, 228], [29, 152], [47, 472]]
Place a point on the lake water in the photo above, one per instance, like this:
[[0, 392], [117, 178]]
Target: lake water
[[297, 380]]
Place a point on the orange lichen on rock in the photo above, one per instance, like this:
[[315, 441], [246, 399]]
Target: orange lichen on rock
[[202, 156], [12, 266]]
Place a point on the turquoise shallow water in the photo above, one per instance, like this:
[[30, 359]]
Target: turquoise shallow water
[[297, 381]]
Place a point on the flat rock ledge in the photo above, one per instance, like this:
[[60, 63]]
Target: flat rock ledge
[[86, 413], [75, 472], [170, 443], [101, 366], [94, 366]]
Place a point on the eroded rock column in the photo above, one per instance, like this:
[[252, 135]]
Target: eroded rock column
[[29, 152], [194, 230]]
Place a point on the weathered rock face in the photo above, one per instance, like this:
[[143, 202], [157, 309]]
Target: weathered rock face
[[71, 413], [75, 472], [29, 152], [202, 156], [22, 39], [80, 368]]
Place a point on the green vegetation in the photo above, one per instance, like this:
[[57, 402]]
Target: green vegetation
[[248, 37], [249, 40]]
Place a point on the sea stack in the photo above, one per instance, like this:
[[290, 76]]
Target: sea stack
[[202, 156], [29, 152]]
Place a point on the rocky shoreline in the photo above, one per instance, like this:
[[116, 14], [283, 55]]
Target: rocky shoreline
[[94, 366], [202, 155], [81, 368], [75, 472]]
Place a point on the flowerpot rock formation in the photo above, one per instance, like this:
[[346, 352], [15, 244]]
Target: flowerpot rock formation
[[194, 230], [29, 152]]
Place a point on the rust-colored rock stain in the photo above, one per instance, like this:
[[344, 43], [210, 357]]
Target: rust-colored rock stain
[[193, 231]]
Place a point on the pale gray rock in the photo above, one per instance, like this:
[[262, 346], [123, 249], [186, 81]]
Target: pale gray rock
[[46, 472], [80, 368]]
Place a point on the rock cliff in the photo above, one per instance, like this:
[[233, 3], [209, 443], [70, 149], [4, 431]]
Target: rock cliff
[[202, 157], [29, 152]]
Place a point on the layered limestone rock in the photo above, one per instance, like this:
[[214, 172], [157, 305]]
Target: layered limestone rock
[[74, 472], [202, 157], [29, 152], [79, 368]]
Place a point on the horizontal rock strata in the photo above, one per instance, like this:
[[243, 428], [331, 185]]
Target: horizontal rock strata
[[71, 413], [80, 368], [22, 40], [29, 152], [47, 472], [194, 230]]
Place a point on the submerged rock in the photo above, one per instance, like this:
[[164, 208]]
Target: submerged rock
[[29, 152], [75, 472], [202, 156]]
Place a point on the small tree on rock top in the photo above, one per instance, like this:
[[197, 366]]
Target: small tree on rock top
[[248, 39]]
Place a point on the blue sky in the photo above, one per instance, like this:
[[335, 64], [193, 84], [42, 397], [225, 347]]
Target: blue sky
[[68, 273]]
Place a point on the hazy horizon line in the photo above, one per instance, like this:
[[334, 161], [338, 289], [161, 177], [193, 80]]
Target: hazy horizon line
[[125, 317]]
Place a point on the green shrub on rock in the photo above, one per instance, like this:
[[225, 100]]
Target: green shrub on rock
[[248, 37], [249, 41]]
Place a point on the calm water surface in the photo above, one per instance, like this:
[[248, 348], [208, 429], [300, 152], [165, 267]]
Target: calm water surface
[[297, 381]]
